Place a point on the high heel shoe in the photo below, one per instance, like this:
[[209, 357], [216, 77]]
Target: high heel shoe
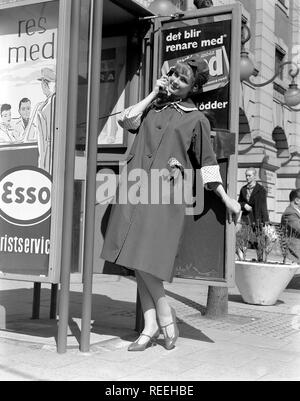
[[171, 341], [136, 347]]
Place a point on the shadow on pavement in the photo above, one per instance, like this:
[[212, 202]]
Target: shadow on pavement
[[236, 298], [186, 301], [239, 300], [110, 318], [295, 283]]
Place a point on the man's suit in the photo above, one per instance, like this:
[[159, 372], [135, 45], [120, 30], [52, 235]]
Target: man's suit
[[291, 219], [258, 202]]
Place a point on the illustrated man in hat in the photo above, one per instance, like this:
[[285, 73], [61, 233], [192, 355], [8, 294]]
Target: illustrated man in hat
[[44, 120], [48, 79]]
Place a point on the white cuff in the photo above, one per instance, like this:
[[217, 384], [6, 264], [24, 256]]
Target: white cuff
[[130, 121], [211, 174]]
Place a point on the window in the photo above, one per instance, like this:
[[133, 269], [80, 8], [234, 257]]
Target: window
[[279, 58]]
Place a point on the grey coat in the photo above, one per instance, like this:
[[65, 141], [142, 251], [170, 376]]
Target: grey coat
[[291, 219], [146, 237]]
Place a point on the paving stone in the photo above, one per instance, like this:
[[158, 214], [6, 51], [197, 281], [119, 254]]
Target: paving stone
[[230, 356], [97, 370], [253, 343], [287, 371], [215, 372], [259, 341], [149, 375], [22, 372]]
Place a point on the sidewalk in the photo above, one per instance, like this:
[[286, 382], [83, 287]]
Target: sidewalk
[[253, 343]]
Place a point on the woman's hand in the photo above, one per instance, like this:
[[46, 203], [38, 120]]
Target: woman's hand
[[233, 209], [161, 84]]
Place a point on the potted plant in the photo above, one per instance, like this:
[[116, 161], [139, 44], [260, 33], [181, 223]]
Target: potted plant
[[261, 280]]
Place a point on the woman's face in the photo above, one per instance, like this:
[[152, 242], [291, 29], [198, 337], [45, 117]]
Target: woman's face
[[181, 83]]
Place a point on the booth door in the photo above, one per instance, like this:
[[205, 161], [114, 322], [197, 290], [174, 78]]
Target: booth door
[[206, 250], [125, 78]]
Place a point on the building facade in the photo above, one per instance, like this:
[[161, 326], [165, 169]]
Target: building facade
[[269, 137], [272, 143]]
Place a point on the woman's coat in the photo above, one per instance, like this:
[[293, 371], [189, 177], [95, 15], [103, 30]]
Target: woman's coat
[[146, 236]]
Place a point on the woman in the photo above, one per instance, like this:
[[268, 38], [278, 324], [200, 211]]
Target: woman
[[173, 136]]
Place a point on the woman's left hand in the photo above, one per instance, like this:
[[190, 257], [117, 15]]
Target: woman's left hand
[[233, 206], [233, 209]]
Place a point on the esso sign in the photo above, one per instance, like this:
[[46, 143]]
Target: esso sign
[[25, 196]]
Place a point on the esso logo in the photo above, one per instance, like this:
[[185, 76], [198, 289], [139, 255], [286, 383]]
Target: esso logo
[[25, 196]]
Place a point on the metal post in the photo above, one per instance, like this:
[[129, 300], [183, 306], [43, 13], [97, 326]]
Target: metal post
[[92, 154], [53, 304], [217, 303], [36, 301], [69, 180]]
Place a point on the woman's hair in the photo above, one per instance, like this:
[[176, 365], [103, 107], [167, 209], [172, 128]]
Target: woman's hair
[[200, 71]]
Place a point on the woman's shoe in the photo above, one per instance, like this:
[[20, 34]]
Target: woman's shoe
[[171, 341], [136, 347]]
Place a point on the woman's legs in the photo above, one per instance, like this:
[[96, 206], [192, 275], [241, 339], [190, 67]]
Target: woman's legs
[[156, 290], [149, 310]]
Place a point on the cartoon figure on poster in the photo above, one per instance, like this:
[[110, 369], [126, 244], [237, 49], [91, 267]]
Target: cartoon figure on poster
[[36, 127], [7, 132], [41, 127], [22, 123]]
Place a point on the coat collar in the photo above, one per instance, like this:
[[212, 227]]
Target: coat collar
[[181, 105], [187, 106], [254, 191], [255, 188]]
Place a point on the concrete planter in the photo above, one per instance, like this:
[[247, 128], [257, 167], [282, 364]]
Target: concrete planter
[[262, 283]]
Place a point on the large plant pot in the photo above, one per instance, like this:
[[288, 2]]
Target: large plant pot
[[262, 283]]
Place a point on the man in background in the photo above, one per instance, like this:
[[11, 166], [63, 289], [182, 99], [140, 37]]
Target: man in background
[[253, 200], [291, 220]]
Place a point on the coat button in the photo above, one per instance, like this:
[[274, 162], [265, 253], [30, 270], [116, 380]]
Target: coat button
[[150, 156], [159, 127]]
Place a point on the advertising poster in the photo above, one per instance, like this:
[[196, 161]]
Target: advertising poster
[[212, 42], [201, 254], [28, 46]]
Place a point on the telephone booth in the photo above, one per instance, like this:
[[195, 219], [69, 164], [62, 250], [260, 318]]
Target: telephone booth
[[80, 63]]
